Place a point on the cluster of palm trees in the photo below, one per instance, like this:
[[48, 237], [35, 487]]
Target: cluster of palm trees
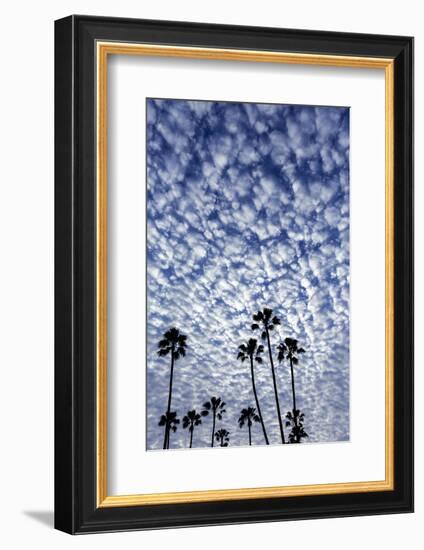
[[174, 344], [215, 406]]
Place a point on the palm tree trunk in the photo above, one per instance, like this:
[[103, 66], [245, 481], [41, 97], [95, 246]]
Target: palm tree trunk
[[250, 434], [257, 400], [275, 387], [213, 428], [191, 436], [294, 398], [292, 381], [166, 438]]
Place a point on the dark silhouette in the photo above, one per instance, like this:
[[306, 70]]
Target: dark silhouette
[[223, 437], [191, 419], [173, 342], [248, 416], [252, 351], [289, 350], [268, 323], [295, 420], [216, 407], [170, 421]]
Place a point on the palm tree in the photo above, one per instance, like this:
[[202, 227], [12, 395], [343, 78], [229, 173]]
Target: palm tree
[[191, 419], [173, 342], [217, 408], [295, 420], [268, 323], [223, 437], [171, 421], [252, 351], [248, 416], [289, 350]]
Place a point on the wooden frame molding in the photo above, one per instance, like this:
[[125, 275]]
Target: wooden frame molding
[[83, 45]]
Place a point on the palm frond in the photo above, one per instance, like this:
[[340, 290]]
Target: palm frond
[[163, 343], [267, 312]]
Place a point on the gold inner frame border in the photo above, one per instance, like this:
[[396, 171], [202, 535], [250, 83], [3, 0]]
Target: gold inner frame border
[[103, 50]]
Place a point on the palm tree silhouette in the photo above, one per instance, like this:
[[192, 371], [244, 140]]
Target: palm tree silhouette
[[216, 407], [173, 342], [252, 351], [191, 419], [223, 437], [248, 416], [171, 421], [268, 323], [289, 350], [295, 420]]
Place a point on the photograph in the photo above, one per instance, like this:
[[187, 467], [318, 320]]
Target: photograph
[[248, 274], [233, 273], [211, 269]]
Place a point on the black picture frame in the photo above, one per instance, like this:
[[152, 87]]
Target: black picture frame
[[76, 510]]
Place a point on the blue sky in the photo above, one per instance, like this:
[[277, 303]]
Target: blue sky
[[248, 207]]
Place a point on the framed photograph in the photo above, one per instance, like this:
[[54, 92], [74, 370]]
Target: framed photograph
[[234, 274]]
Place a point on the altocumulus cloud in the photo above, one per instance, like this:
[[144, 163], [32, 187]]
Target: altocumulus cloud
[[248, 207]]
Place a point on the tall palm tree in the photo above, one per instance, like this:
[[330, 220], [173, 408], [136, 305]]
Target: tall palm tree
[[252, 351], [267, 321], [223, 437], [248, 416], [217, 408], [173, 342], [171, 421], [289, 350], [191, 419]]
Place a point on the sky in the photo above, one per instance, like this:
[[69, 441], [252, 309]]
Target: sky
[[248, 207]]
